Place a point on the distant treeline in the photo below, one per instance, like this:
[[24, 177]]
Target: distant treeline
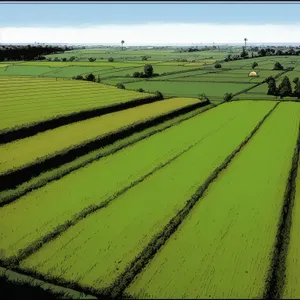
[[13, 52]]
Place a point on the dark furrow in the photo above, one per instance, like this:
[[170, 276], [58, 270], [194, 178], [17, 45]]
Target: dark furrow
[[135, 267], [13, 178], [277, 272], [92, 209], [6, 200], [41, 126]]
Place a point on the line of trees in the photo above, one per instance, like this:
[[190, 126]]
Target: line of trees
[[88, 77], [29, 52], [285, 87]]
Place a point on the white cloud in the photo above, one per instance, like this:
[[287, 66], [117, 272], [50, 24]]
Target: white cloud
[[146, 34]]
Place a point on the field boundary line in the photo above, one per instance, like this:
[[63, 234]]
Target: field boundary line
[[14, 177], [6, 200], [135, 267], [277, 272], [19, 279], [35, 246], [20, 132]]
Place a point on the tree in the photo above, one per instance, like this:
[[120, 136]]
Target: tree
[[72, 58], [122, 42], [227, 97], [272, 89], [244, 53], [203, 97], [296, 79], [254, 65], [285, 88], [148, 70], [217, 66], [90, 77], [245, 39], [110, 59], [120, 86], [262, 52], [64, 59], [297, 90], [98, 79], [91, 59], [144, 58], [278, 66], [140, 90]]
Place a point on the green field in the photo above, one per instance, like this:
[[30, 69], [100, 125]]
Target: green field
[[27, 100], [159, 200], [135, 230], [26, 151], [292, 284], [214, 91], [232, 226]]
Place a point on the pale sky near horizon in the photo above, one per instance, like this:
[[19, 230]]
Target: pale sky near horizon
[[149, 23]]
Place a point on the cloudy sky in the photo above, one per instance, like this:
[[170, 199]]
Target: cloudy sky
[[149, 23]]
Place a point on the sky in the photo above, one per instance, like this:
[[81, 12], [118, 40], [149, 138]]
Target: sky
[[149, 23]]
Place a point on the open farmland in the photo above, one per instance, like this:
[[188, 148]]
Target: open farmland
[[233, 225], [28, 100], [193, 158], [292, 284], [26, 151], [214, 91], [113, 192]]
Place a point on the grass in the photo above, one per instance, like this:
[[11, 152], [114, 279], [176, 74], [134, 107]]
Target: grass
[[214, 91], [25, 151], [223, 249], [29, 100], [133, 231], [116, 172], [57, 173], [292, 286]]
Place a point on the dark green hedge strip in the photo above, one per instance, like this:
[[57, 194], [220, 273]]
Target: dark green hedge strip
[[276, 277], [37, 127], [16, 177]]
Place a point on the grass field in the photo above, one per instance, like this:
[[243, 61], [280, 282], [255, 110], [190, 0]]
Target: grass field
[[214, 91], [292, 280], [26, 151], [27, 100], [148, 155], [232, 226], [144, 220]]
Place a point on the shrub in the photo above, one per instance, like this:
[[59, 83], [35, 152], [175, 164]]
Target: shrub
[[140, 90], [278, 66], [144, 58], [227, 97], [78, 77], [90, 77], [120, 86], [137, 74], [110, 59], [159, 94], [217, 66], [91, 59]]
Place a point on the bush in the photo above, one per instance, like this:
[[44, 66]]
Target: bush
[[72, 58], [110, 59], [144, 58], [64, 59], [78, 77], [120, 86], [140, 90], [278, 66], [155, 74], [137, 74], [203, 97], [90, 77], [91, 59], [217, 66], [227, 97], [159, 94]]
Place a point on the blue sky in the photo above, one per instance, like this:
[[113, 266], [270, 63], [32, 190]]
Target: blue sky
[[81, 14]]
